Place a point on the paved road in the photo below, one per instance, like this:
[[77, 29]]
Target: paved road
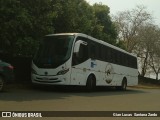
[[29, 99]]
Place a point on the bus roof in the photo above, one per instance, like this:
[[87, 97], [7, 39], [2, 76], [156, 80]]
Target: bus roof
[[94, 39]]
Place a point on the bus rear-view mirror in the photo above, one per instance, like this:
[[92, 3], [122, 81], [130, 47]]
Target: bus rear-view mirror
[[78, 45]]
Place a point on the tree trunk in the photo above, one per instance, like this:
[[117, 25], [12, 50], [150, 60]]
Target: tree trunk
[[144, 65], [156, 76]]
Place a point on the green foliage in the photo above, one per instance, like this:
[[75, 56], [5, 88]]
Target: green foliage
[[104, 28], [26, 46], [72, 16], [23, 23], [121, 44], [11, 20]]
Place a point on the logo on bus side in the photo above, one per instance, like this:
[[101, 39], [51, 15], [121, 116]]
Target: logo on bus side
[[93, 64], [109, 73]]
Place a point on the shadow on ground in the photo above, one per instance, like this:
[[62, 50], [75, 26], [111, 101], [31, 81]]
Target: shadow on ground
[[29, 93]]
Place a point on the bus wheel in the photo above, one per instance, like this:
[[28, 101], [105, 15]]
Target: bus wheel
[[91, 83], [123, 85]]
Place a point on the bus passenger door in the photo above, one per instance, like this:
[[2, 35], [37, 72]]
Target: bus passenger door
[[79, 61]]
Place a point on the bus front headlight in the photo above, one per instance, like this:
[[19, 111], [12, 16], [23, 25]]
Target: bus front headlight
[[33, 71], [62, 72]]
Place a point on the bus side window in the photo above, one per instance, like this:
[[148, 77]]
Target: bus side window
[[83, 53], [108, 54], [112, 56], [93, 51], [135, 63], [103, 54], [123, 59]]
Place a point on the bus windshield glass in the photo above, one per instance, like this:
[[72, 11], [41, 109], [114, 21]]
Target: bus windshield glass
[[54, 51]]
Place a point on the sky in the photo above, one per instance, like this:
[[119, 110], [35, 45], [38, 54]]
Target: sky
[[153, 6]]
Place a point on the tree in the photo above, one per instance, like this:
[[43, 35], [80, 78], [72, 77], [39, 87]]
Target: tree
[[103, 27], [72, 16], [23, 23], [128, 24], [12, 20], [40, 15], [79, 16], [154, 54], [154, 63], [148, 48]]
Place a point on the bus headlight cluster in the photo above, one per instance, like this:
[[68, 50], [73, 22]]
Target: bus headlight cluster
[[63, 72], [33, 71]]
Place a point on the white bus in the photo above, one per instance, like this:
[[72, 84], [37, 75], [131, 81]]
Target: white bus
[[79, 59]]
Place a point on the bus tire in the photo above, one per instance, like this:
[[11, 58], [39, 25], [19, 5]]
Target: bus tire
[[91, 83], [123, 86]]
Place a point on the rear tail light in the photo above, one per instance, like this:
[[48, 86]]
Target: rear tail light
[[11, 67]]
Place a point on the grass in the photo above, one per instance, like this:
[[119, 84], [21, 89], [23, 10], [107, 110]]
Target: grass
[[147, 86]]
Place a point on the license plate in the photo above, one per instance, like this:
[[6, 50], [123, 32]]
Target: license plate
[[45, 78]]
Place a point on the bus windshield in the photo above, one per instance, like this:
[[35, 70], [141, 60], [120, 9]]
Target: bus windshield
[[54, 51]]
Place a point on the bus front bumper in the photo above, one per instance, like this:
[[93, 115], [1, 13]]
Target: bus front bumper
[[48, 80]]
